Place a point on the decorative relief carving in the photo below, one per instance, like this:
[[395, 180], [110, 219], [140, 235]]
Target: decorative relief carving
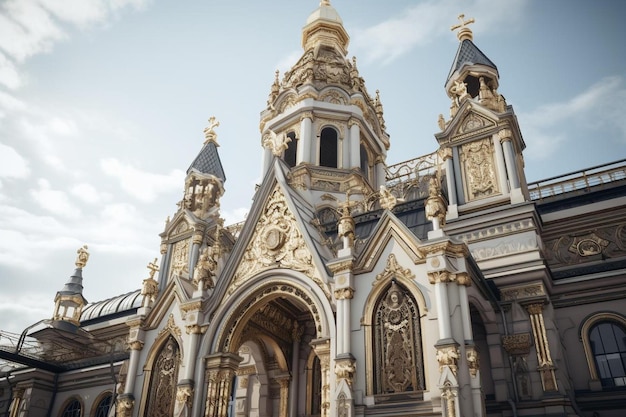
[[184, 400], [398, 361], [171, 327], [497, 231], [277, 143], [505, 248], [276, 243], [333, 96], [344, 294], [345, 369], [603, 242], [473, 122], [393, 269], [163, 380], [521, 292], [202, 193], [516, 344], [473, 360], [479, 169], [448, 356], [180, 258]]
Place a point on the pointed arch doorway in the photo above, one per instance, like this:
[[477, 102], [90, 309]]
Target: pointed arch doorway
[[275, 356]]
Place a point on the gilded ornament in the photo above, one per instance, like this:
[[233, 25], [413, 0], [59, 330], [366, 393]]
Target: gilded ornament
[[82, 257], [209, 131], [448, 356]]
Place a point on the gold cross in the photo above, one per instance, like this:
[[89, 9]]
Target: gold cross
[[153, 267], [463, 23]]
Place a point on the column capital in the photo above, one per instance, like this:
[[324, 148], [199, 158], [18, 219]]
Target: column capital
[[306, 115], [505, 135], [445, 153], [344, 294], [535, 308]]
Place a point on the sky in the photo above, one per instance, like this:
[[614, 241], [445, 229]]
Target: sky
[[103, 105]]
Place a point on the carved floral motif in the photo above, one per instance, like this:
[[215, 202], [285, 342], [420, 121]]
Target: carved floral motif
[[479, 169]]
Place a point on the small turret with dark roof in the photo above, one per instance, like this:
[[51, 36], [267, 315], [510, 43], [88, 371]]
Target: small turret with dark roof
[[69, 302]]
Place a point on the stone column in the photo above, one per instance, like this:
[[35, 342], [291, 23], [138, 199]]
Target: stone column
[[220, 371], [196, 242], [506, 137], [440, 278], [544, 359], [18, 397], [354, 157], [306, 143], [502, 179], [283, 382], [453, 211], [125, 403], [322, 350], [296, 335]]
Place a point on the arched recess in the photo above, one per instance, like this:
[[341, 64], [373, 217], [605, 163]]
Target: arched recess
[[396, 300], [595, 332], [329, 147], [282, 311], [290, 154], [252, 384], [480, 331], [102, 405], [72, 407], [161, 373]]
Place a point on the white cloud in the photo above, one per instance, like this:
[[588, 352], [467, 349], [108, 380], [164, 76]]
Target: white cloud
[[88, 193], [144, 186], [54, 201], [602, 103], [12, 164], [426, 21], [9, 76]]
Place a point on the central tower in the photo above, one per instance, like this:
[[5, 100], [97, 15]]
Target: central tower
[[320, 119]]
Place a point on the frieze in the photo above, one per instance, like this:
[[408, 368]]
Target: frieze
[[602, 243], [505, 248], [497, 231], [522, 292]]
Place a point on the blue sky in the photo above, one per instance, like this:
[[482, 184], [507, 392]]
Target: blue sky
[[103, 104]]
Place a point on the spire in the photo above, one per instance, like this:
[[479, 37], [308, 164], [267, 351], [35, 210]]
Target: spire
[[208, 160], [69, 302]]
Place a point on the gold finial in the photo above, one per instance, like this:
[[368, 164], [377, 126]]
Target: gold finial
[[464, 32], [153, 267], [209, 131], [82, 257]]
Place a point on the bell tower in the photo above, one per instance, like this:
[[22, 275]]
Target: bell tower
[[481, 142], [320, 119]]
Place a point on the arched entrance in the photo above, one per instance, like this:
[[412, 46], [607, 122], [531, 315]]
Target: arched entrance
[[266, 342]]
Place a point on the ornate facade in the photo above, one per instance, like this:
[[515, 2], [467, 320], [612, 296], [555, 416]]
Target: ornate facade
[[442, 286]]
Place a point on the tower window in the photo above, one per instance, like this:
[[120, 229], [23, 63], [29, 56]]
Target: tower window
[[291, 151], [328, 147], [365, 167], [73, 409], [608, 343]]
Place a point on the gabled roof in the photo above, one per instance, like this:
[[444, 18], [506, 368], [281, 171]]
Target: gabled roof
[[469, 54], [208, 162]]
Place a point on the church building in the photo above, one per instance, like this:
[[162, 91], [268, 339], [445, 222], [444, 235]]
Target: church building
[[445, 285]]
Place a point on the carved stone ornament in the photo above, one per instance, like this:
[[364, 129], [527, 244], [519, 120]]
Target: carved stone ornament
[[603, 242], [276, 243], [473, 360], [520, 292], [124, 405], [387, 200], [393, 269], [345, 369], [479, 169], [448, 356], [277, 143], [82, 257], [588, 245], [180, 258], [202, 194], [517, 344], [171, 327], [204, 270], [398, 361], [184, 399]]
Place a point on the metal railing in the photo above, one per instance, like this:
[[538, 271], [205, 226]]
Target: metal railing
[[578, 180]]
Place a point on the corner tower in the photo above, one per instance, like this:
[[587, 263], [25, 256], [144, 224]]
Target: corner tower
[[320, 118], [481, 142]]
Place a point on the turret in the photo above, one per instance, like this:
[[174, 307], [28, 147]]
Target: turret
[[69, 302], [320, 119], [481, 143]]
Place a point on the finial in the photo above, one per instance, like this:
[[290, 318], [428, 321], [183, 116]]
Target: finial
[[82, 258], [325, 3], [464, 32], [153, 267], [209, 131]]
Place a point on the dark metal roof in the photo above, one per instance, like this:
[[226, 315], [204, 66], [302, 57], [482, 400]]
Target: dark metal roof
[[469, 54], [208, 162], [112, 306]]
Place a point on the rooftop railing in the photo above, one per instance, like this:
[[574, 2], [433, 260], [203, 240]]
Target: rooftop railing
[[578, 180]]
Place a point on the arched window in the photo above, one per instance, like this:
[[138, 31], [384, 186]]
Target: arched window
[[291, 151], [72, 409], [365, 163], [328, 147], [162, 391], [103, 406], [397, 343], [607, 340]]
